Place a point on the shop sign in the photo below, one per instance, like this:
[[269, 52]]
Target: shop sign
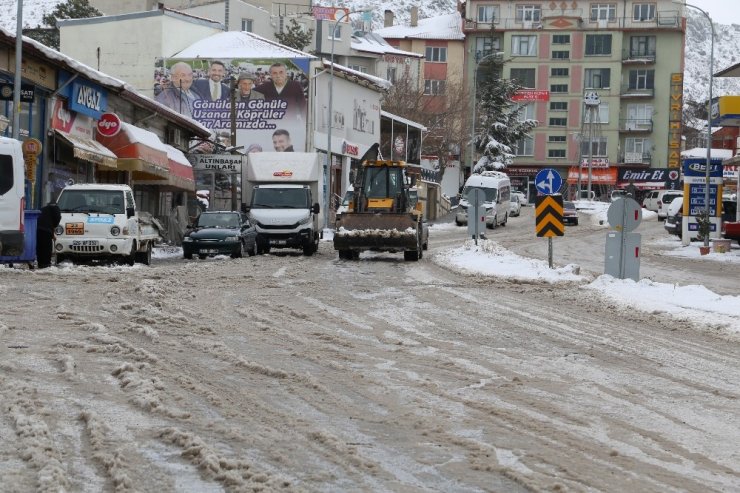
[[643, 175], [330, 13], [109, 125], [28, 92], [226, 163], [599, 162], [674, 121], [71, 123], [524, 95], [88, 99], [730, 171], [350, 149]]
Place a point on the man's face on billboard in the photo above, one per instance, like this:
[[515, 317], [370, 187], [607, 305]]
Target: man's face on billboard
[[279, 75], [245, 85], [216, 72], [280, 142], [182, 77]]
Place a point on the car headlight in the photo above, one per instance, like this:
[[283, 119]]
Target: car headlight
[[59, 231], [305, 220], [115, 230], [187, 239], [231, 238]]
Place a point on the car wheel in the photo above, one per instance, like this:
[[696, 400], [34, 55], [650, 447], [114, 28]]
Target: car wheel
[[575, 223], [253, 251], [239, 253], [202, 257], [187, 255], [506, 218]]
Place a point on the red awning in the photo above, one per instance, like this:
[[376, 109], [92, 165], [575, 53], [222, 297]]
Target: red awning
[[139, 151]]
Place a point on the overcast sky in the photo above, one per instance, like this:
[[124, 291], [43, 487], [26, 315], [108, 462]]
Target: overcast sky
[[722, 11]]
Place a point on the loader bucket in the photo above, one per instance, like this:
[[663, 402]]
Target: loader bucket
[[385, 232]]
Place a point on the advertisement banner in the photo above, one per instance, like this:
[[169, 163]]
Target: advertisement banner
[[270, 111]]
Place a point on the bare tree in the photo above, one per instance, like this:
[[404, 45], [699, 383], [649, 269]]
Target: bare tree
[[443, 114]]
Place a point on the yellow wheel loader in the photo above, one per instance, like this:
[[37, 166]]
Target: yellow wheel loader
[[382, 215]]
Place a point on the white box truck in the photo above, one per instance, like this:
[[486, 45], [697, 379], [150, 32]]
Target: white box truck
[[12, 197], [101, 221], [282, 191]]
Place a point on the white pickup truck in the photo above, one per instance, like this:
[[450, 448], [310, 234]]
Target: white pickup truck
[[100, 222]]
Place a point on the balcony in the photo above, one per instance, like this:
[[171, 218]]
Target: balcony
[[636, 125], [662, 20], [639, 57], [644, 158], [628, 91]]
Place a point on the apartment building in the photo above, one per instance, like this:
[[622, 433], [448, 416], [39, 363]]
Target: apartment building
[[628, 52]]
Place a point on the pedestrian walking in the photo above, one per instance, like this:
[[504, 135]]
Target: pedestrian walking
[[48, 220]]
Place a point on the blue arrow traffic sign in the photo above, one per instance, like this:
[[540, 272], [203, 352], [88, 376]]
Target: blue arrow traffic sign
[[548, 181]]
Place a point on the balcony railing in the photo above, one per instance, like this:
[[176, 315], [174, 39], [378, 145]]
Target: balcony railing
[[635, 158], [663, 19], [636, 125], [638, 56], [628, 91]]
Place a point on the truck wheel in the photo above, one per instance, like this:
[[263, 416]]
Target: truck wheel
[[146, 256], [131, 257], [410, 255], [60, 259]]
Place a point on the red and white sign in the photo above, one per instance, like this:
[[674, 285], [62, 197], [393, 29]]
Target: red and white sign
[[597, 162], [70, 122], [525, 95], [283, 174], [350, 149], [109, 125], [330, 13]]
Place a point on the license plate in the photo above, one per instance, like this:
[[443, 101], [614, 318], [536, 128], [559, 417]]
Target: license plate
[[277, 242], [74, 228], [85, 243], [209, 250]]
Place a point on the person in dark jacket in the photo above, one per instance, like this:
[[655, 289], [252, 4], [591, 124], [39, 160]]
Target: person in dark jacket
[[48, 220]]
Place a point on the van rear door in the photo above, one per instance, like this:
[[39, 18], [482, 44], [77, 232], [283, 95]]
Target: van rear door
[[11, 197]]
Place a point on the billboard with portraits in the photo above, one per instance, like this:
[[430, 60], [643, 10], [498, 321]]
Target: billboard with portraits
[[270, 98]]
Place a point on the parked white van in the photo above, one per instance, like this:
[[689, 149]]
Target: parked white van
[[12, 197], [497, 189]]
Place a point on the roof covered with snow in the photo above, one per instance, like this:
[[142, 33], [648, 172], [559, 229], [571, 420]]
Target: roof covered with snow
[[448, 26], [357, 76], [373, 43], [701, 152], [105, 80], [239, 44]]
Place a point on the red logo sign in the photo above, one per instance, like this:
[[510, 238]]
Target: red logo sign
[[531, 95], [285, 173], [350, 149], [109, 125]]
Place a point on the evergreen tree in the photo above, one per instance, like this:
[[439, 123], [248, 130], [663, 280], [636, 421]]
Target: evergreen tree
[[48, 33], [294, 36], [500, 125]]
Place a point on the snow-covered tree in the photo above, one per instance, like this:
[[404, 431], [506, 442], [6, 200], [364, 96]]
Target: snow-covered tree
[[48, 34], [295, 36], [499, 123]]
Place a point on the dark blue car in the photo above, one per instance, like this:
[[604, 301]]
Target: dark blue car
[[220, 233]]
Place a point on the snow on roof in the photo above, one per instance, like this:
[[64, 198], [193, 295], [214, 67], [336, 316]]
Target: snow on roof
[[701, 152], [239, 44], [373, 43], [376, 81], [447, 26], [176, 155], [403, 120], [99, 77], [136, 134]]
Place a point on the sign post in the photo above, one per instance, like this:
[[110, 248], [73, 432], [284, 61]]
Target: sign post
[[548, 208], [476, 217]]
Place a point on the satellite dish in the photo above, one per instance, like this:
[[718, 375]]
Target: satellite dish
[[70, 182]]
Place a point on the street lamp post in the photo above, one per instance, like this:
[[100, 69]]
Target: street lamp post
[[709, 117], [18, 67], [475, 104], [331, 110]]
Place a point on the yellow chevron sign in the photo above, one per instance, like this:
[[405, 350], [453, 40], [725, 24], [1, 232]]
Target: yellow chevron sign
[[548, 213]]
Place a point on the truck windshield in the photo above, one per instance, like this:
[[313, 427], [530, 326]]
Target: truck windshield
[[102, 201], [491, 193], [281, 198], [383, 182]]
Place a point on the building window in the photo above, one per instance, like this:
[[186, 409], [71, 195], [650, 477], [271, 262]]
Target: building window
[[247, 25], [598, 44], [337, 31], [597, 148], [487, 14], [603, 11], [358, 68], [642, 46], [524, 76], [559, 72], [524, 147], [597, 78], [435, 54], [642, 79], [528, 13], [558, 106], [600, 116], [485, 46], [390, 74], [556, 153], [526, 112], [434, 87], [558, 122], [639, 112], [556, 138], [524, 45], [559, 88], [561, 39], [561, 55], [643, 12], [637, 145]]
